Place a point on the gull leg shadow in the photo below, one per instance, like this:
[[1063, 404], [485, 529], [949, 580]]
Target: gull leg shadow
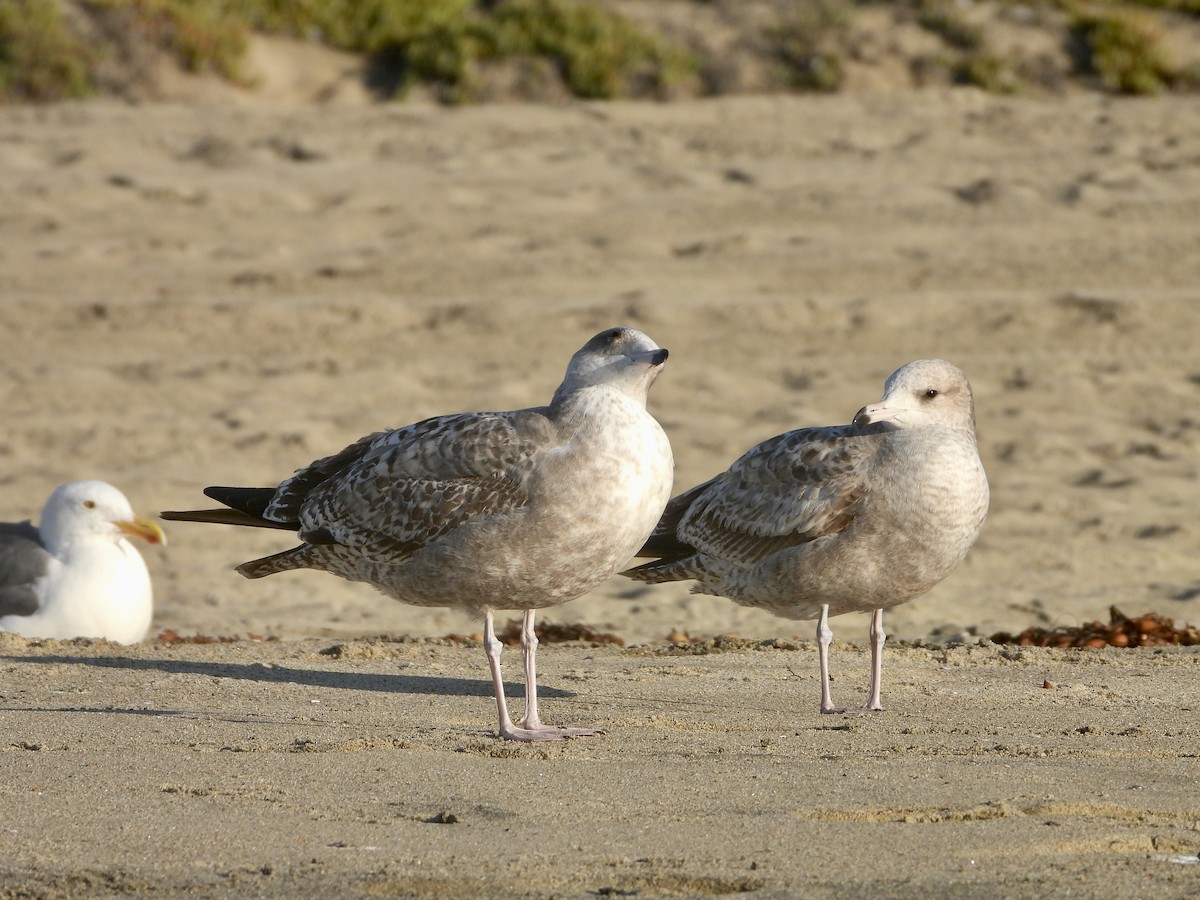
[[319, 678]]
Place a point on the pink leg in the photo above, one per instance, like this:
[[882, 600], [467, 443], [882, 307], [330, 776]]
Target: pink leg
[[878, 636], [532, 721], [824, 639], [529, 642], [492, 647], [530, 731]]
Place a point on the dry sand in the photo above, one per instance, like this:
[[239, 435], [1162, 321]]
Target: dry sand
[[218, 293], [277, 770]]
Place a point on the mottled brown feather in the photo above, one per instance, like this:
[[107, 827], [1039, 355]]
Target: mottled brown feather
[[788, 490]]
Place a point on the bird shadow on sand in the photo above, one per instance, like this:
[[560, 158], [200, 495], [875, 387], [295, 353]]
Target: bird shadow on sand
[[318, 678]]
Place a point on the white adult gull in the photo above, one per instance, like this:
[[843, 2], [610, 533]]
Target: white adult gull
[[822, 521], [75, 574], [485, 510]]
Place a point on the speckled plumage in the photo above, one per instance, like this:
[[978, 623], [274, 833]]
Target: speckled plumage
[[483, 511], [823, 521]]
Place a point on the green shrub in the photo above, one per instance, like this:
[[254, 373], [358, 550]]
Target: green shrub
[[450, 45], [994, 74], [1124, 51], [940, 17], [599, 54], [810, 43], [1181, 6], [443, 42], [39, 59]]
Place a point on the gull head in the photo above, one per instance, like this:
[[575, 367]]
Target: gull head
[[928, 392], [89, 511], [622, 358]]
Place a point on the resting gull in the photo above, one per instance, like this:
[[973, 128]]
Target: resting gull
[[75, 574], [822, 521], [485, 510]]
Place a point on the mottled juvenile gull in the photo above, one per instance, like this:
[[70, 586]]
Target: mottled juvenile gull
[[822, 521], [75, 575], [485, 510]]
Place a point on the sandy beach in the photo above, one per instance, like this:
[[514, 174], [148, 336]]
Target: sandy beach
[[219, 292], [369, 768]]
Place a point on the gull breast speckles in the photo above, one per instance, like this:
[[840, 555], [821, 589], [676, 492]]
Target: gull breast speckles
[[75, 574], [822, 521], [485, 510]]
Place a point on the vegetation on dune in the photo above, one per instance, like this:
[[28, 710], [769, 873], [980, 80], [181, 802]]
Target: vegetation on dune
[[1124, 49], [810, 43], [440, 43], [943, 18], [443, 43], [39, 57], [203, 36], [600, 55], [60, 49]]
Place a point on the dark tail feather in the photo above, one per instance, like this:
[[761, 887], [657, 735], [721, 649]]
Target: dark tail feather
[[246, 507], [252, 501], [296, 558], [647, 572], [222, 517], [664, 541], [661, 571], [664, 546]]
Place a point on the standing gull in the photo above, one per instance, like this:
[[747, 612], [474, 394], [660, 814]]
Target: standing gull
[[822, 521], [485, 510], [75, 574]]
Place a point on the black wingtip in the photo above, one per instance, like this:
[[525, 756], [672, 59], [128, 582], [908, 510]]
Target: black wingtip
[[251, 500], [222, 516]]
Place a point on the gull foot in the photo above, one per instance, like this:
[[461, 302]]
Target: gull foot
[[540, 732], [856, 711], [560, 731]]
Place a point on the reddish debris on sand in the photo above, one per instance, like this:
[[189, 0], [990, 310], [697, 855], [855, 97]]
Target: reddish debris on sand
[[547, 633], [170, 636], [1149, 630], [555, 633], [679, 636]]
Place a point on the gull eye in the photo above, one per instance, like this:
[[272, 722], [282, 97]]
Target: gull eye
[[930, 394], [611, 337], [89, 504]]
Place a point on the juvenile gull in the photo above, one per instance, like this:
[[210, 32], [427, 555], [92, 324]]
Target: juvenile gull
[[75, 574], [822, 521], [485, 510]]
